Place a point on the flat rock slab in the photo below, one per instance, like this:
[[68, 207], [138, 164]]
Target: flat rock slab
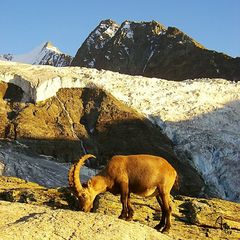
[[24, 221]]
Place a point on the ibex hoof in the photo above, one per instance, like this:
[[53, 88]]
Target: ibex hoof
[[123, 216], [158, 227], [165, 229], [129, 218]]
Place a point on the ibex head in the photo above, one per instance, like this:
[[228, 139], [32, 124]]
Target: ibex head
[[84, 192]]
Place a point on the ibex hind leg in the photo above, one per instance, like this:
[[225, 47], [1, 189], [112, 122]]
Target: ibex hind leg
[[163, 216], [167, 208], [164, 202]]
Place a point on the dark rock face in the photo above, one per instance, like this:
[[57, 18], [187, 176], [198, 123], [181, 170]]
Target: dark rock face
[[79, 121], [93, 45], [150, 49]]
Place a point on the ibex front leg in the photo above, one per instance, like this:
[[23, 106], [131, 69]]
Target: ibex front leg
[[130, 209], [124, 200]]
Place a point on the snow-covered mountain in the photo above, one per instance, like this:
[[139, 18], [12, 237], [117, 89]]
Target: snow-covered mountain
[[44, 54]]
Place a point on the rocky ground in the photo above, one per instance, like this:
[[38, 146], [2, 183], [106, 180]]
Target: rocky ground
[[30, 211]]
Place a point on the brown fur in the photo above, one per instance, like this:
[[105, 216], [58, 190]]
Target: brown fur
[[144, 175]]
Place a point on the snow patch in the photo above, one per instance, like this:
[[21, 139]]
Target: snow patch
[[101, 35], [148, 59], [127, 30], [92, 63]]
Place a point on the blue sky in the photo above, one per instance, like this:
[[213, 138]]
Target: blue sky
[[25, 24]]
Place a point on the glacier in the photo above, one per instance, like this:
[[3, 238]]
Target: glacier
[[17, 160], [200, 116]]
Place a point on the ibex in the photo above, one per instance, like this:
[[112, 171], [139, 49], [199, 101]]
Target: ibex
[[144, 175]]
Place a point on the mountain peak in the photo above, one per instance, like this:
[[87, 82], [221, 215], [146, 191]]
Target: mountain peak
[[50, 46], [177, 33], [45, 54], [152, 23], [108, 22], [96, 41]]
